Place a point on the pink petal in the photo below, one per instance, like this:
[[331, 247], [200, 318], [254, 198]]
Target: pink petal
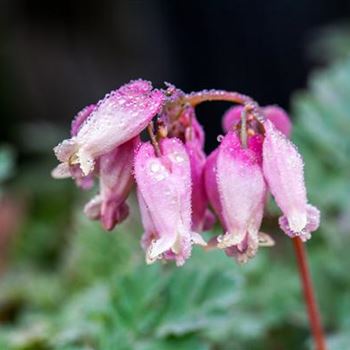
[[92, 209], [80, 118], [279, 118], [61, 171], [283, 171], [313, 222], [231, 118], [275, 114], [82, 181], [211, 187], [199, 197]]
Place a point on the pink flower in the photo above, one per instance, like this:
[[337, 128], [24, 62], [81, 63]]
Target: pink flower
[[283, 171], [274, 113], [242, 192], [119, 117], [187, 128], [164, 185], [116, 180], [237, 191]]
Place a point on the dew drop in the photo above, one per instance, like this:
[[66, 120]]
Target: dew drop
[[220, 138], [155, 167]]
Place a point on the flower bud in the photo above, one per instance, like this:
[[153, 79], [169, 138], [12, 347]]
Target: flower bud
[[237, 191], [119, 117], [164, 185]]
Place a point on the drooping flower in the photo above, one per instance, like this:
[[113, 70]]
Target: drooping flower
[[283, 171], [237, 191], [116, 180], [119, 117], [274, 113], [183, 124], [242, 192], [164, 185]]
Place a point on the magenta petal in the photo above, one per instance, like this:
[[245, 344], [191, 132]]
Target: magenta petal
[[113, 213], [211, 186], [82, 181], [283, 171], [279, 118], [199, 197], [194, 130], [231, 118], [209, 220], [164, 184], [277, 115], [119, 117], [242, 193]]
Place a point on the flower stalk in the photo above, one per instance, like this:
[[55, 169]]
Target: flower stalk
[[217, 95], [309, 295]]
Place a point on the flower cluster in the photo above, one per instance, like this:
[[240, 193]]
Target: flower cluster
[[176, 183]]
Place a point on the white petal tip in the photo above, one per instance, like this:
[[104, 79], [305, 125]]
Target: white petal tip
[[61, 171], [196, 238], [228, 240], [265, 240]]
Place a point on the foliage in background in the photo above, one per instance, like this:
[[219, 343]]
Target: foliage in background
[[71, 286]]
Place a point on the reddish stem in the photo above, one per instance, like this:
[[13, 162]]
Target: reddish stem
[[309, 295], [196, 98]]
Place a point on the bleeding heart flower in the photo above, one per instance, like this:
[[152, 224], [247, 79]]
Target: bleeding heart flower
[[237, 191], [283, 171], [164, 185], [186, 127], [119, 117]]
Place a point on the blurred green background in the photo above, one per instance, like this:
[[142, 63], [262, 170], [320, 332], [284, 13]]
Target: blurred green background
[[67, 285]]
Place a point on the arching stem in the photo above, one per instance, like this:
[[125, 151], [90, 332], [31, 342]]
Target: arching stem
[[309, 295], [196, 98]]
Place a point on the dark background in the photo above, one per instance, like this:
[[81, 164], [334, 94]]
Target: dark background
[[58, 56]]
